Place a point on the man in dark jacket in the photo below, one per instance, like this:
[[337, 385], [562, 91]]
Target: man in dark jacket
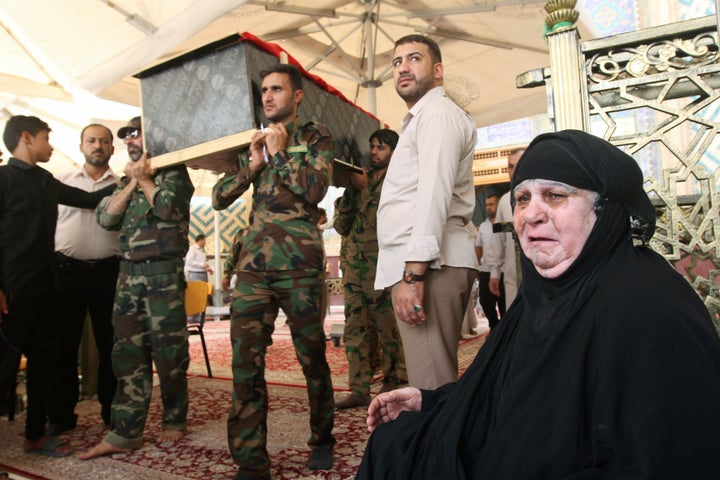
[[29, 198]]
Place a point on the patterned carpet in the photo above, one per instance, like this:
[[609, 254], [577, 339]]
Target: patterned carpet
[[203, 453], [282, 368]]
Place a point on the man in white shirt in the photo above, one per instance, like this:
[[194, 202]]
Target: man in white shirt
[[500, 254], [426, 251], [489, 302], [87, 257], [196, 266]]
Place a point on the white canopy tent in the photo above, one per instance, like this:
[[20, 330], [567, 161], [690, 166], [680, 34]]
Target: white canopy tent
[[60, 50], [77, 48], [349, 43]]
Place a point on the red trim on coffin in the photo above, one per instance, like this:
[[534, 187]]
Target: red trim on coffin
[[275, 49]]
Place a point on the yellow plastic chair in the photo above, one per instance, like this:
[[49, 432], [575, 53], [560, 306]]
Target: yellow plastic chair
[[196, 299]]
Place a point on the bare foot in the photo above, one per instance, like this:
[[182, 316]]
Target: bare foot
[[169, 436], [102, 448]]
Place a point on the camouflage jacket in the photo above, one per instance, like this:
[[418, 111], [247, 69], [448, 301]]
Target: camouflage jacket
[[153, 232], [234, 253], [356, 213], [282, 232]]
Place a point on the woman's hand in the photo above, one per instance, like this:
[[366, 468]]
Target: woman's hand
[[387, 406]]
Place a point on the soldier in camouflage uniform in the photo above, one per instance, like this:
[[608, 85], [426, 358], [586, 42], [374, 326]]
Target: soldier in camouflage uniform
[[152, 212], [367, 310], [371, 334], [230, 268], [280, 264]]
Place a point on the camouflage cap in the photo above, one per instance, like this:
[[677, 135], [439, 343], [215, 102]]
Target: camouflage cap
[[133, 124]]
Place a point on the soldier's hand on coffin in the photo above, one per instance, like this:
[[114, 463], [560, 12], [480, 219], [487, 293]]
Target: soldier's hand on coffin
[[140, 169], [257, 153], [359, 180], [275, 138]]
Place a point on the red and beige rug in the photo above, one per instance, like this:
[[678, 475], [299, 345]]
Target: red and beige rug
[[202, 453], [282, 367]]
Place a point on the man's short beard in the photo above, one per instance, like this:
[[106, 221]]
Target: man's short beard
[[380, 165], [97, 162], [135, 154]]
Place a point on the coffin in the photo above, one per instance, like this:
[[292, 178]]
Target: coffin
[[202, 107]]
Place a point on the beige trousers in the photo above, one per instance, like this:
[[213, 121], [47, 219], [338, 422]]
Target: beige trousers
[[431, 348]]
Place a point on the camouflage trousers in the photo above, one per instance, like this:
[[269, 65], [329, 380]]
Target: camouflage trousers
[[256, 300], [149, 321], [367, 309]]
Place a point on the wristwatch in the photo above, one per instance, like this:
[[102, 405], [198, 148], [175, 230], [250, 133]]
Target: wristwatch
[[411, 277]]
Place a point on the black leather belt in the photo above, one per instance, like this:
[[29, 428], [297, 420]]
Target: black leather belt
[[150, 267], [503, 227], [89, 264]]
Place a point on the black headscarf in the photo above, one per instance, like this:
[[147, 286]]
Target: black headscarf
[[585, 161], [588, 162], [610, 370]]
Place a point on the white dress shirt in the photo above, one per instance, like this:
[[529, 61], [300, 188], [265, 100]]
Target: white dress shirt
[[483, 240], [428, 196], [500, 251], [78, 234], [195, 259]]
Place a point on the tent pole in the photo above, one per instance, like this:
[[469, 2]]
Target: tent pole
[[370, 54]]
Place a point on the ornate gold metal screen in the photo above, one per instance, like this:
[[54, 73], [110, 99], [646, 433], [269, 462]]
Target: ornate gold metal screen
[[656, 94]]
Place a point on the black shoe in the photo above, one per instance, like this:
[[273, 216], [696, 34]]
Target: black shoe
[[242, 476], [320, 459]]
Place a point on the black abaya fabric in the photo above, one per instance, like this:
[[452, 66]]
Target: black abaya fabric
[[610, 371]]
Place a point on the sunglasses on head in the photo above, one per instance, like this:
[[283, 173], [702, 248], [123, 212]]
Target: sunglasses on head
[[132, 134]]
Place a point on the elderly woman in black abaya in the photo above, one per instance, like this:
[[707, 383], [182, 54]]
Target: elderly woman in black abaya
[[607, 364]]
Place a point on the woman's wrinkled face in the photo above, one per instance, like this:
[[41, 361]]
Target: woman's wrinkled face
[[553, 221]]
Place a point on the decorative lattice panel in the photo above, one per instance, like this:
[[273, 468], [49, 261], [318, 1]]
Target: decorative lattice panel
[[202, 220], [657, 96]]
